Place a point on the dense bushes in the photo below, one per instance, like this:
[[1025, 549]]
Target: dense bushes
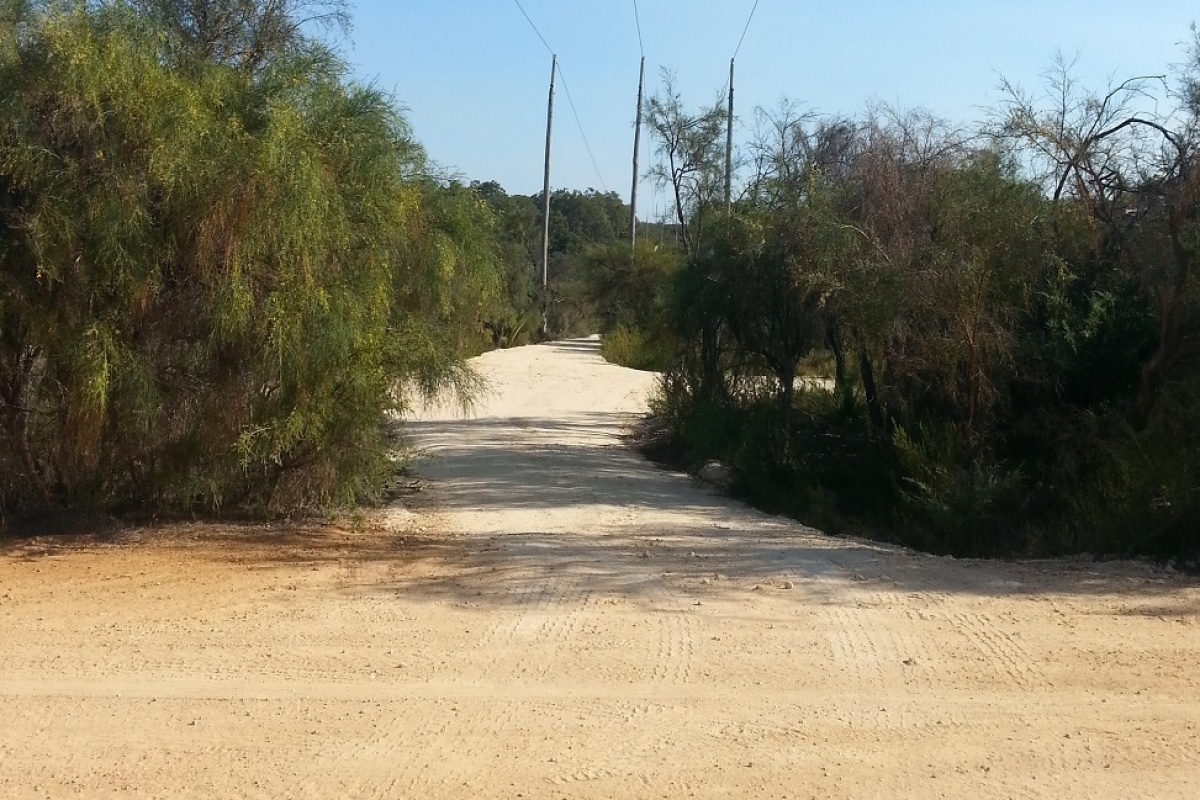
[[217, 277], [1014, 351]]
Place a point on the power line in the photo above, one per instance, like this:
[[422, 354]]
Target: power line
[[571, 101], [535, 27], [729, 116], [638, 18], [748, 20]]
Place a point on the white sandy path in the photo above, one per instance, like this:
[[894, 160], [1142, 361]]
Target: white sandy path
[[656, 613], [580, 624]]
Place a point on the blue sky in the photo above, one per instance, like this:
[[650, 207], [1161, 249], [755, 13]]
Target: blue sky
[[473, 75]]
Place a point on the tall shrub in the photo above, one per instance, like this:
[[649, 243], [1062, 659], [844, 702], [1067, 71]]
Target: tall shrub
[[208, 297]]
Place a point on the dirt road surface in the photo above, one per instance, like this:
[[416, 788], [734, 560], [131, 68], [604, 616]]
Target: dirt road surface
[[555, 618]]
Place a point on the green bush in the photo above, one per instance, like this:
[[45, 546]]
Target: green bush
[[216, 282], [1144, 496], [955, 504], [631, 348]]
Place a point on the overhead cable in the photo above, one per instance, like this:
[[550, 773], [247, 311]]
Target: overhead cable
[[567, 89], [535, 27], [574, 111], [638, 19], [748, 20]]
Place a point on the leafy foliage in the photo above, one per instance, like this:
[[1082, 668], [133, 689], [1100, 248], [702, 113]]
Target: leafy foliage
[[217, 280], [1010, 317]]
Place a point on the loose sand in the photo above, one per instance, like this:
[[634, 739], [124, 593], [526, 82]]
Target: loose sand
[[555, 618]]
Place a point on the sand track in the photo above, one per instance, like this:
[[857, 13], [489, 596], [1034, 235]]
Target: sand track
[[556, 618]]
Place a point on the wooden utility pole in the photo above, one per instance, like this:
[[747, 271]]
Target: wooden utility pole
[[546, 203], [637, 140], [729, 147]]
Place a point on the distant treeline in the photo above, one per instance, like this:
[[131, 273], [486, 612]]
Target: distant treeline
[[589, 258]]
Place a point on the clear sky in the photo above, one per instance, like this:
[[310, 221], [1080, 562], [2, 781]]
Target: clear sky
[[473, 75]]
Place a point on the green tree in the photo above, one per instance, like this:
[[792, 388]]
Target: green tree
[[244, 34], [691, 158], [216, 282]]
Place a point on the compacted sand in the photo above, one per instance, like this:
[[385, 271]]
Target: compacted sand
[[552, 617]]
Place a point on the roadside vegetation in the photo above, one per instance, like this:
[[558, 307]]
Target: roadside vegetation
[[227, 269], [1010, 319], [223, 263]]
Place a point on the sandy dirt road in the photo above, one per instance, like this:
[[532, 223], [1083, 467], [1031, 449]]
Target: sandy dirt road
[[555, 618]]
